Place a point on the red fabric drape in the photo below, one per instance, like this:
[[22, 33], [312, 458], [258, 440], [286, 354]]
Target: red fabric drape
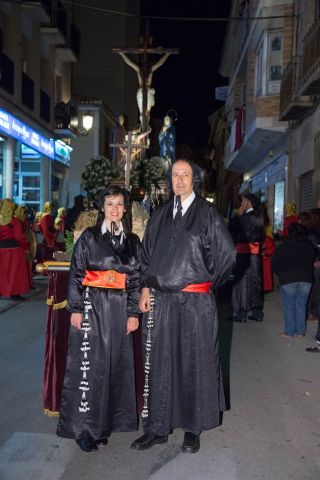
[[268, 248]]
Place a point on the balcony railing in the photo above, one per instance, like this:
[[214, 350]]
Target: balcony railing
[[292, 106], [311, 61], [45, 106], [6, 73], [27, 91]]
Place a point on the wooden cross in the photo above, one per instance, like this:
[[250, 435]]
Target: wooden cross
[[128, 149]]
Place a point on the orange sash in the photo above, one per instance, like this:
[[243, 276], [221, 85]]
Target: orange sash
[[253, 248], [105, 279], [204, 287]]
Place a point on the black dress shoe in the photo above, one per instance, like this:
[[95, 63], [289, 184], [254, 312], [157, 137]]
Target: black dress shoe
[[191, 443], [313, 349], [87, 444], [148, 440], [101, 441], [19, 298]]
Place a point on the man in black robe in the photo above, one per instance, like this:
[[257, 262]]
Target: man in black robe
[[186, 250], [247, 232]]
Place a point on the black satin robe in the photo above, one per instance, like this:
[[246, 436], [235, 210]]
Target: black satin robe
[[185, 385], [247, 291], [102, 399]]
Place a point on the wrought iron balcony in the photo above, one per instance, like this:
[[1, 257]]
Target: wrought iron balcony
[[310, 81], [65, 120], [292, 105]]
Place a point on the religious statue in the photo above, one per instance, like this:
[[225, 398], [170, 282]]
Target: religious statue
[[148, 81], [167, 142]]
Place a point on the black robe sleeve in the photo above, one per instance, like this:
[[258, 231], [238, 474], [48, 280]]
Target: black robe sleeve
[[77, 272], [147, 245], [222, 249], [133, 282]]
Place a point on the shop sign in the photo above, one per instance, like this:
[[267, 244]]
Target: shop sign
[[21, 132], [63, 152]]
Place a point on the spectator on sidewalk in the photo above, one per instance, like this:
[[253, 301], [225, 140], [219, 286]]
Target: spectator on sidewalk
[[293, 263]]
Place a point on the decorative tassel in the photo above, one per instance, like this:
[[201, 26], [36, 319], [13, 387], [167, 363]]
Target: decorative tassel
[[150, 325], [85, 347]]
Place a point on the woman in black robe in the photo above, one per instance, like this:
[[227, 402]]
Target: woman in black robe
[[99, 387]]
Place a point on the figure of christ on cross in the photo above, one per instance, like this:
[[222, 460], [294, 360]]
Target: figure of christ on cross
[[145, 94]]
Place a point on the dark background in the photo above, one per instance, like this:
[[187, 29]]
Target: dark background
[[186, 82]]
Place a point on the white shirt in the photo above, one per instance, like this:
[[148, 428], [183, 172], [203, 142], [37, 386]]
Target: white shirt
[[104, 228], [185, 204]]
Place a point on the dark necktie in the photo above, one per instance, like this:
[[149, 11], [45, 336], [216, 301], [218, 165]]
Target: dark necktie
[[178, 215]]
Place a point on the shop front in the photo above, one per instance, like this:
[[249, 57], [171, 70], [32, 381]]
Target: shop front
[[270, 186], [33, 168]]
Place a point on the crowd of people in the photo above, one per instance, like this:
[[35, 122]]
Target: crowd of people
[[166, 282], [27, 238], [294, 258]]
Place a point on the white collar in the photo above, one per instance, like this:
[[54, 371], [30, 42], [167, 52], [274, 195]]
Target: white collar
[[105, 227], [185, 204], [249, 210]]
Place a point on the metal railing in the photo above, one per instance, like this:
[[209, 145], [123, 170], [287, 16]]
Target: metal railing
[[289, 82], [311, 52]]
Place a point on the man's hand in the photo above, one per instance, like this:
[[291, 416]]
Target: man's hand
[[76, 320], [132, 324], [144, 302]]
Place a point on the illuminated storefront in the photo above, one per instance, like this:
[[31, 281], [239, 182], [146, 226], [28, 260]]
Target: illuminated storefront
[[33, 168]]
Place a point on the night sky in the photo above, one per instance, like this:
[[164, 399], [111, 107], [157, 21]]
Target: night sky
[[186, 82]]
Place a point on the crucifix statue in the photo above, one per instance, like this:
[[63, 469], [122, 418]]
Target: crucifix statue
[[145, 93], [129, 148]]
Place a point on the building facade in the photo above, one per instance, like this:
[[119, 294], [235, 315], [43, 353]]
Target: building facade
[[299, 105], [38, 44], [256, 49]]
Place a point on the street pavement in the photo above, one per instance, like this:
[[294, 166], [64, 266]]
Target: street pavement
[[270, 432]]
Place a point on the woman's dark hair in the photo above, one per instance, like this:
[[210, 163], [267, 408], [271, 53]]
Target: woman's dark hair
[[255, 202], [114, 191], [297, 232]]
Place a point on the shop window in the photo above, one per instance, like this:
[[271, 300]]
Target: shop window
[[269, 64]]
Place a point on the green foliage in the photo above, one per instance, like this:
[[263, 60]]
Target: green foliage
[[69, 242], [98, 173], [148, 172]]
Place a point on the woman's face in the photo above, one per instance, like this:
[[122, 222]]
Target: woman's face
[[113, 208]]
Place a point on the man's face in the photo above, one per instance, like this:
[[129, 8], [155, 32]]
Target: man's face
[[182, 179]]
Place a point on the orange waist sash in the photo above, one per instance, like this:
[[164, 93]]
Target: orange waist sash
[[204, 287], [105, 279], [253, 248]]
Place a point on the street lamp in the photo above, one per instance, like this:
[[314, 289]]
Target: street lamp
[[87, 121]]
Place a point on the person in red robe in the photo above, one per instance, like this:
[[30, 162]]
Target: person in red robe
[[268, 248], [14, 278], [48, 231], [290, 218]]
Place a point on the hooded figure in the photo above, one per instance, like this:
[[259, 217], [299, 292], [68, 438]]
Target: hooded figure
[[74, 212]]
